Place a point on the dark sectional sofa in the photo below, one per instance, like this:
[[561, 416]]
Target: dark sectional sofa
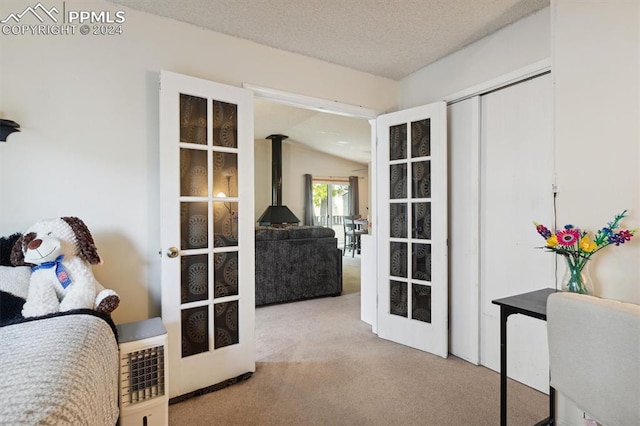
[[296, 263]]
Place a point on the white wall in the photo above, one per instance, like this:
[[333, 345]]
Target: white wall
[[296, 162], [88, 107], [596, 71], [518, 45]]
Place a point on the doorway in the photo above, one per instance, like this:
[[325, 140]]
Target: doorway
[[331, 148], [343, 132]]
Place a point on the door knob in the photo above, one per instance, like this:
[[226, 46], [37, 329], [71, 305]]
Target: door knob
[[172, 252]]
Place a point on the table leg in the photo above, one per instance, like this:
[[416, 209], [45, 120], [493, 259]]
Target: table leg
[[552, 405], [503, 365]]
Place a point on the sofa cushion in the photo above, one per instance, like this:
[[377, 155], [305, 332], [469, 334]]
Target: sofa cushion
[[300, 232], [267, 233]]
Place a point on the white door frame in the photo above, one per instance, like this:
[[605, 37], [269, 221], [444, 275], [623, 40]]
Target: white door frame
[[347, 110]]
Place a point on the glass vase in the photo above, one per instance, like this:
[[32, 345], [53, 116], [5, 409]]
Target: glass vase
[[577, 278]]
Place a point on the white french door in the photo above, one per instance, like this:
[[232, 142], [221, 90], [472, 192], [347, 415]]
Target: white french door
[[207, 237], [411, 186]]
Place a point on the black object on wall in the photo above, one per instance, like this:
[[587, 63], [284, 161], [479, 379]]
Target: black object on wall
[[276, 213], [6, 128]]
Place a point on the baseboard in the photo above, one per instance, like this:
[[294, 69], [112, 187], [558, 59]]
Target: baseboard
[[211, 388]]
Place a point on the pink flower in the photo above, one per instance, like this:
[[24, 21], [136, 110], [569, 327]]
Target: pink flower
[[626, 235], [568, 237]]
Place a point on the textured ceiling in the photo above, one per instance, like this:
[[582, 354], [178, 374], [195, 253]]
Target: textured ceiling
[[387, 38]]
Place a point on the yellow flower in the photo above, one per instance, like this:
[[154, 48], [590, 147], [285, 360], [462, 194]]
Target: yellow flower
[[587, 245], [552, 241]]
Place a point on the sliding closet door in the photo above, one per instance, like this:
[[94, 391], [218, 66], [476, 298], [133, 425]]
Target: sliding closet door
[[463, 121], [516, 176]]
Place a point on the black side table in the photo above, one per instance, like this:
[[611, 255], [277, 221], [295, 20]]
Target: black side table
[[532, 304]]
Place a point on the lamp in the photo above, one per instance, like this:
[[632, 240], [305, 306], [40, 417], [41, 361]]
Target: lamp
[[228, 173], [6, 128]]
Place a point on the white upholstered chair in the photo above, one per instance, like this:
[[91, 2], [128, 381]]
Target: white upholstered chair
[[594, 351]]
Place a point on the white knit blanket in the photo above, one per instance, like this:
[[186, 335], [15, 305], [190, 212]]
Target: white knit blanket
[[59, 371]]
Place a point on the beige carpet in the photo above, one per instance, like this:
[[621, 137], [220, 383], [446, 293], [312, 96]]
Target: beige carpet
[[350, 274], [318, 364]]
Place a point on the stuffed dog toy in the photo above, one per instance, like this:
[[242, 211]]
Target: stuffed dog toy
[[61, 252]]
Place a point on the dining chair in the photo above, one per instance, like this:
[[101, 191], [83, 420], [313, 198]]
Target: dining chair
[[351, 235]]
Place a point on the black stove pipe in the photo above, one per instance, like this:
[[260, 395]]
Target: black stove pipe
[[276, 168], [276, 213]]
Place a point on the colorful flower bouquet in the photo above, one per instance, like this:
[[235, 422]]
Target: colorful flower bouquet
[[578, 246]]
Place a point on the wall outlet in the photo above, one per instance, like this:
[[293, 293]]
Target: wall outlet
[[588, 421]]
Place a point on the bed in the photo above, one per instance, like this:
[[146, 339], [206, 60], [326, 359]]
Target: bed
[[59, 369]]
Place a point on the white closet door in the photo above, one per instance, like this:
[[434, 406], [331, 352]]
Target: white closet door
[[516, 176], [463, 123]]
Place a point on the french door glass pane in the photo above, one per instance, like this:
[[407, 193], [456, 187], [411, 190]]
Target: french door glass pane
[[421, 262], [421, 302], [225, 174], [421, 220], [225, 124], [194, 225], [398, 142], [398, 181], [398, 302], [225, 324], [225, 274], [193, 119], [194, 278], [421, 138], [195, 331], [421, 179], [225, 224], [193, 172], [398, 261], [398, 219]]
